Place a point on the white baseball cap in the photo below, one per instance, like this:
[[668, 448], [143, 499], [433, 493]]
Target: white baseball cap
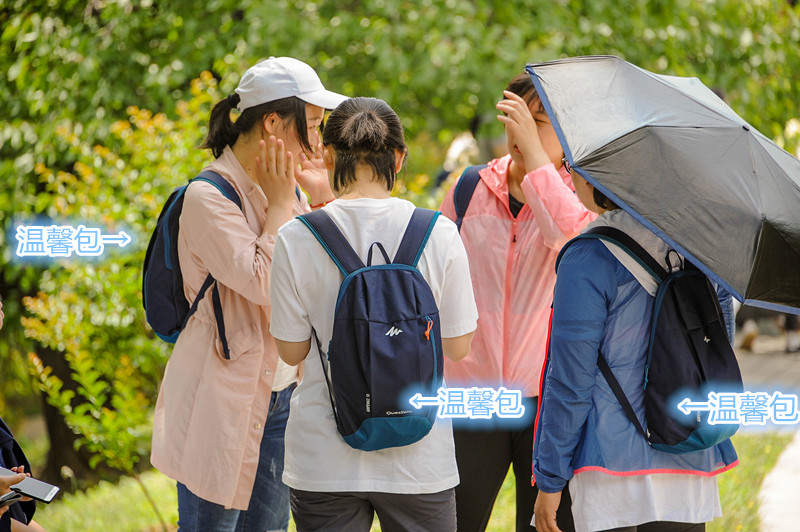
[[281, 77]]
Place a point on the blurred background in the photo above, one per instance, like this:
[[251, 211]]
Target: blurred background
[[104, 103]]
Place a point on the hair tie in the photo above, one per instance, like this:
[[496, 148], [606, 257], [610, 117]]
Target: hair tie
[[233, 99]]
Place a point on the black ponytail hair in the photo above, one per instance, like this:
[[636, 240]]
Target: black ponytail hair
[[364, 131], [223, 132], [603, 201]]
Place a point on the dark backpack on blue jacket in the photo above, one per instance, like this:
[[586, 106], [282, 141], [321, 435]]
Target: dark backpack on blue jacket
[[688, 355], [166, 308], [386, 343]]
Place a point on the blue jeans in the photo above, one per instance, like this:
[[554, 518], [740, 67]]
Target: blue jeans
[[269, 503]]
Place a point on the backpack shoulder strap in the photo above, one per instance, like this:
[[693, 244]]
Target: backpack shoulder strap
[[222, 185], [465, 187], [619, 394], [416, 236], [336, 245], [229, 192], [624, 242]]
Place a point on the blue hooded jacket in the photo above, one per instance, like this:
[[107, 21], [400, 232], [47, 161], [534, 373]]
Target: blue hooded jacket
[[599, 304]]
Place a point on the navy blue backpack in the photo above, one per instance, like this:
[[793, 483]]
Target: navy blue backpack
[[166, 308], [386, 344], [465, 187], [688, 355]]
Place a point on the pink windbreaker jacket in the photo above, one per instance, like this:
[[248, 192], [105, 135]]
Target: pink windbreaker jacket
[[210, 413], [512, 261]]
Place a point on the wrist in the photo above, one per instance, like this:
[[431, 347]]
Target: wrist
[[315, 206]]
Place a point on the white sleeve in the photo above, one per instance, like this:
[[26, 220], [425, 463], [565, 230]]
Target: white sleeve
[[458, 314], [289, 321]]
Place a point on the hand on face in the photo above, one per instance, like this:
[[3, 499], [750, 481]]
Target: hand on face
[[275, 171], [313, 175], [522, 131]]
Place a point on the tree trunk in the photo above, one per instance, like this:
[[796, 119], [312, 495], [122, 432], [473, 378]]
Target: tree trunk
[[65, 467]]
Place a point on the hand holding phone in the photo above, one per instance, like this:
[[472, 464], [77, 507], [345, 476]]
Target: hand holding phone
[[30, 487], [7, 499]]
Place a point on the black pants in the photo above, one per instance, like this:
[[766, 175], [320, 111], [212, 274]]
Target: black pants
[[484, 457], [663, 526]]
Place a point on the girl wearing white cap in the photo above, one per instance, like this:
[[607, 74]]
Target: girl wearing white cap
[[221, 412]]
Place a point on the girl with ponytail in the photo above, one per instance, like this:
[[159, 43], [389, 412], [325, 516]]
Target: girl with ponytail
[[332, 485], [221, 414]]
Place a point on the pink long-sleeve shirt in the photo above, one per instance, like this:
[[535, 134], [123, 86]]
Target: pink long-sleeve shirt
[[210, 413], [512, 262]]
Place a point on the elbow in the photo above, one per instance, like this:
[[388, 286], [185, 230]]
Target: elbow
[[457, 348], [555, 242], [292, 353]]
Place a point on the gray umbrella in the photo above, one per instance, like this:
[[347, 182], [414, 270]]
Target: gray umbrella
[[673, 154]]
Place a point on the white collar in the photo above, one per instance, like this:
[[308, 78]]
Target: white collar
[[651, 243]]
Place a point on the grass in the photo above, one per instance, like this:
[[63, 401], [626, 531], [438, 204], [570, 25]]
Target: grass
[[739, 487], [123, 507]]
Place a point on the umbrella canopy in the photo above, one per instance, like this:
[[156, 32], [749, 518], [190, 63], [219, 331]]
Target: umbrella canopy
[[674, 155]]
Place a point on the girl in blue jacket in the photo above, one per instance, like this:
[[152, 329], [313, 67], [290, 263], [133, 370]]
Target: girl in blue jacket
[[617, 481]]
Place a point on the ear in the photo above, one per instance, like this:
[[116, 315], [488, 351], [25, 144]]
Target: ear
[[399, 157], [270, 123], [328, 157]]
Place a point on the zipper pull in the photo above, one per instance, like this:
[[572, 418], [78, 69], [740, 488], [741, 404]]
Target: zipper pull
[[428, 330]]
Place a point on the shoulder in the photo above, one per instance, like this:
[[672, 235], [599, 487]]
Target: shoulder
[[586, 257], [202, 195], [293, 231], [444, 231]]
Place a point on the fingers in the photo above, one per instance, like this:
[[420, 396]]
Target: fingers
[[277, 154], [289, 168], [5, 482], [515, 97], [261, 159]]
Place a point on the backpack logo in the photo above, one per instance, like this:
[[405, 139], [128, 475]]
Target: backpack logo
[[394, 331]]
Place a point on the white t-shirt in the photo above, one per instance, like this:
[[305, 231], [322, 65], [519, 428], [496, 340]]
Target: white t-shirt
[[304, 286], [603, 502]]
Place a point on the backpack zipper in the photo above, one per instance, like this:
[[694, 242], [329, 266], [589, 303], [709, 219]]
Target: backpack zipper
[[428, 337]]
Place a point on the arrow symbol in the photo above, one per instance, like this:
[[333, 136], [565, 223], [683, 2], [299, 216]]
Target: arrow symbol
[[418, 401], [686, 406], [122, 239]]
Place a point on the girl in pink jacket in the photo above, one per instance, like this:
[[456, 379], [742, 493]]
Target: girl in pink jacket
[[522, 211], [220, 418]]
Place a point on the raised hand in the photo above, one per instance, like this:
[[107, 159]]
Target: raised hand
[[521, 127], [275, 172], [313, 177]]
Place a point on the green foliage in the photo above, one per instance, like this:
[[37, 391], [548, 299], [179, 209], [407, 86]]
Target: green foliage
[[90, 310], [119, 507]]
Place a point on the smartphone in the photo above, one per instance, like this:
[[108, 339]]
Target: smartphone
[[30, 487], [7, 499]]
